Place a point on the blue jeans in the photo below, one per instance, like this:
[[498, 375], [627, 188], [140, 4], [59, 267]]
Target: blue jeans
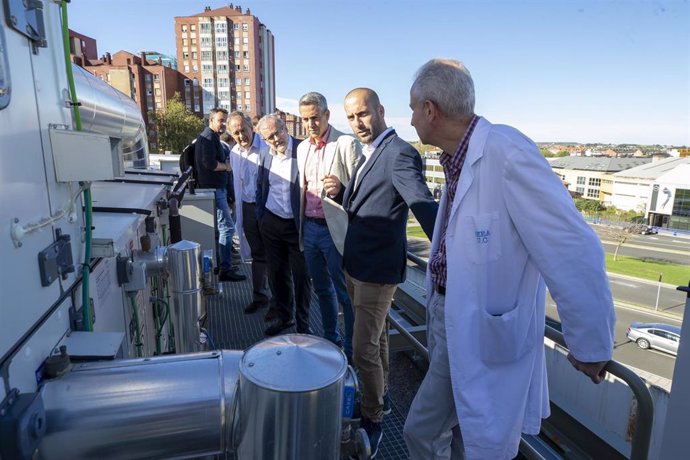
[[325, 266], [226, 229]]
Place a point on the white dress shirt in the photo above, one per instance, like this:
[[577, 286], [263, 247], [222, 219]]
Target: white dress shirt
[[249, 168], [278, 200], [368, 150]]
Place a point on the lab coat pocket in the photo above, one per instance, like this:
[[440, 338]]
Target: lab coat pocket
[[482, 237], [504, 338]]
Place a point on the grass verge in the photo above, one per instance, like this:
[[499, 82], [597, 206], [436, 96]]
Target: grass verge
[[649, 270]]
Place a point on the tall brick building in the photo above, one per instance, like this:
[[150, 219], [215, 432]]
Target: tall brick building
[[231, 56], [149, 83]]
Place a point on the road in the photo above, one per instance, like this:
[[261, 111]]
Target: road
[[629, 353], [663, 247], [643, 293]]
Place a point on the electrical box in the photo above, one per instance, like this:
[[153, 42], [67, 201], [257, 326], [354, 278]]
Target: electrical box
[[81, 156]]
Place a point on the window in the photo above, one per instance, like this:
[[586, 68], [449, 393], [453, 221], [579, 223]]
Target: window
[[237, 54], [194, 54], [238, 81], [186, 68], [184, 42], [156, 76], [223, 82], [197, 108], [580, 190], [580, 180], [205, 41], [223, 95], [245, 54], [245, 27], [594, 182], [206, 68], [245, 40], [222, 55], [247, 81], [185, 55], [235, 26], [193, 42], [206, 55], [222, 68], [184, 27], [192, 27], [237, 42], [205, 27], [221, 27], [237, 68], [222, 42], [247, 95], [207, 82], [248, 109], [592, 193], [195, 68], [245, 68]]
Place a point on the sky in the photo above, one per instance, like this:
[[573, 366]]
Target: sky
[[610, 71]]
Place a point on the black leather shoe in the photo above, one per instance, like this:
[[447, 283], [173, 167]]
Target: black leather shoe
[[231, 276], [254, 306], [278, 326]]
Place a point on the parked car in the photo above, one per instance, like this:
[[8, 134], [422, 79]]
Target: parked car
[[648, 230], [663, 337]]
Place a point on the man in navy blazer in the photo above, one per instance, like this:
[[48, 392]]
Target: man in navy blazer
[[278, 214], [387, 183]]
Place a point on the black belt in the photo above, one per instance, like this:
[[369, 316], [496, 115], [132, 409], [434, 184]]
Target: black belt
[[316, 220], [440, 289]]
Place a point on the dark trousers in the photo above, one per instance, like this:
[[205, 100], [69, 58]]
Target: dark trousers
[[287, 270], [256, 245]]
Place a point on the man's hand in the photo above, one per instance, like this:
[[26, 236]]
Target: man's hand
[[595, 371], [332, 185]]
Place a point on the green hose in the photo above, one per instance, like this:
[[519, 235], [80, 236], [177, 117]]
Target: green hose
[[137, 337], [88, 205]]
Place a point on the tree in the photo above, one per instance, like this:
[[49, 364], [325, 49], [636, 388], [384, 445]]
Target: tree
[[621, 235], [176, 126], [546, 152], [563, 153]]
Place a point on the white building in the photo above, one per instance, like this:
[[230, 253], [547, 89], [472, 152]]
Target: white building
[[632, 187], [669, 201]]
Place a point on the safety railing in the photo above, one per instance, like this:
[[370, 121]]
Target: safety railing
[[645, 407]]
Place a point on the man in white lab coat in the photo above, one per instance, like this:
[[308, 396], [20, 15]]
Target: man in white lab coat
[[506, 229]]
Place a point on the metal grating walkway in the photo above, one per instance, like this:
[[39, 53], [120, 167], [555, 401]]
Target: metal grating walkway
[[231, 329]]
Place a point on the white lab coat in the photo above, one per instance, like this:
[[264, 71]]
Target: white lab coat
[[512, 227]]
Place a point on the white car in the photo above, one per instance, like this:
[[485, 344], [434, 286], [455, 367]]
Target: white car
[[663, 337]]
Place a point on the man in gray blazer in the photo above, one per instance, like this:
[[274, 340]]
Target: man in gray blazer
[[387, 183], [326, 151]]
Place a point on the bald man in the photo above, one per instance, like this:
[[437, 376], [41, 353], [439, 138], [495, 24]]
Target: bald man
[[387, 183]]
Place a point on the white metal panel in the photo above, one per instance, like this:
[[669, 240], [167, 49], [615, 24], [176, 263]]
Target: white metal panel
[[26, 195], [81, 156], [30, 358]]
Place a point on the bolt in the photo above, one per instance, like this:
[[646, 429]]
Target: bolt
[[279, 352], [19, 244], [16, 220], [14, 20], [250, 364]]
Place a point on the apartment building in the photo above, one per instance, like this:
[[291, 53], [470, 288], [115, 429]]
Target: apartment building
[[82, 48], [149, 83], [230, 55]]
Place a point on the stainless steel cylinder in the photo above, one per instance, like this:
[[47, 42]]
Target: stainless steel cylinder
[[184, 266], [290, 399], [169, 406]]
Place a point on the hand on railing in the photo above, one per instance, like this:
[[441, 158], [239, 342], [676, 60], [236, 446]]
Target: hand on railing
[[595, 371]]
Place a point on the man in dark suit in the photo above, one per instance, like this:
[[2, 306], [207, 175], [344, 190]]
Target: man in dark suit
[[212, 166], [387, 183], [278, 214]]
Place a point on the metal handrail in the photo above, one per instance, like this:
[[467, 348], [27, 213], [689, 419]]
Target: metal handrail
[[644, 414]]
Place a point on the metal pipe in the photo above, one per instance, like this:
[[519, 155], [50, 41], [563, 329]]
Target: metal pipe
[[645, 406], [184, 266], [106, 110], [421, 349], [169, 406]]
